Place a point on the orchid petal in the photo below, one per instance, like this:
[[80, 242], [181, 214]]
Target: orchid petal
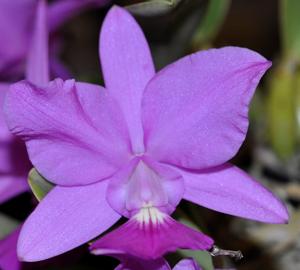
[[61, 11], [229, 190], [187, 264], [8, 253], [11, 186], [14, 163], [133, 263], [66, 218], [195, 110], [71, 130], [5, 135], [150, 241], [37, 70], [127, 67], [159, 264], [15, 22]]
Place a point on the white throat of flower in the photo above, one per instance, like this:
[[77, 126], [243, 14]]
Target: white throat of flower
[[150, 215]]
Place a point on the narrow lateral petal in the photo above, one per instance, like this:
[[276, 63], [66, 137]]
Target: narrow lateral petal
[[37, 69], [187, 264], [127, 67], [62, 11], [74, 132], [230, 190], [11, 186], [150, 240], [8, 252], [195, 111], [66, 218]]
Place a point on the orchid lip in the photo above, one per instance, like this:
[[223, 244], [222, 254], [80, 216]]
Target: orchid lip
[[149, 235]]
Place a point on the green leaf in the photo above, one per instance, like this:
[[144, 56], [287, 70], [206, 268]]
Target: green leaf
[[7, 225], [297, 104], [290, 27], [203, 258], [153, 7], [211, 23], [38, 184], [281, 116]]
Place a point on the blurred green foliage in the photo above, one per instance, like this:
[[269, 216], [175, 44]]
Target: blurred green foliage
[[290, 27], [282, 101], [211, 23], [281, 111], [8, 225]]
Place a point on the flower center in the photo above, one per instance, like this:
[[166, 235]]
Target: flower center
[[145, 189], [149, 214], [145, 184], [139, 154]]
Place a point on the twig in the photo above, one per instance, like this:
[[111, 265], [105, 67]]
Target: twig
[[216, 251]]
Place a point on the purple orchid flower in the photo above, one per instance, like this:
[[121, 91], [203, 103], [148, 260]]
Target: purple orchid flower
[[16, 28], [15, 164], [130, 263], [133, 263], [8, 252], [187, 264], [138, 146]]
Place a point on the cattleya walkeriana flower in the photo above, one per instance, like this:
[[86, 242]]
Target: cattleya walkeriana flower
[[138, 146]]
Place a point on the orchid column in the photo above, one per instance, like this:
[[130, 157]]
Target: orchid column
[[139, 146]]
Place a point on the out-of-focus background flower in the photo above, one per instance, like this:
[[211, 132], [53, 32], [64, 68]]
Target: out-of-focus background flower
[[271, 152]]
